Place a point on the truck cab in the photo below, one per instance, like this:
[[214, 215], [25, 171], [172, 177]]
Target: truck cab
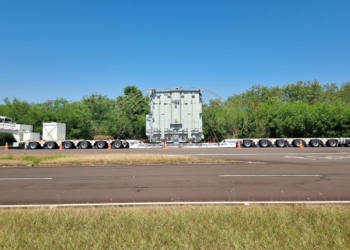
[[4, 119]]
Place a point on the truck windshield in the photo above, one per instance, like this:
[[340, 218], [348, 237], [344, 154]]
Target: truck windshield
[[5, 120]]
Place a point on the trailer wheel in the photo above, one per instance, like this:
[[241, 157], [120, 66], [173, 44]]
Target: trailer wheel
[[280, 143], [126, 144], [100, 144], [347, 143], [263, 143], [117, 144], [315, 143], [332, 143], [296, 143], [67, 145], [84, 144], [51, 145], [33, 145], [247, 143]]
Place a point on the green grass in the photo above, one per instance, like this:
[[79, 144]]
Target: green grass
[[100, 159], [187, 227]]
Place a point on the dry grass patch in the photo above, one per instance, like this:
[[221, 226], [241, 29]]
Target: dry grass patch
[[79, 159], [187, 227]]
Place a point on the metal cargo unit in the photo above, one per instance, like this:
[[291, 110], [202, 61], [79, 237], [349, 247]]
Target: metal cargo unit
[[19, 131], [175, 116], [30, 136], [54, 131]]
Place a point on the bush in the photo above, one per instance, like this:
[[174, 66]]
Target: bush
[[5, 137]]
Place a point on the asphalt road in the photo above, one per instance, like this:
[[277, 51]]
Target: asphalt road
[[272, 174]]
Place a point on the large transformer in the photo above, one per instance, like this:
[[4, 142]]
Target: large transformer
[[175, 116]]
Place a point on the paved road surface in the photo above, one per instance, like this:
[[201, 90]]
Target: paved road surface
[[289, 174]]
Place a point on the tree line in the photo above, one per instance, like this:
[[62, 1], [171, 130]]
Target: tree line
[[123, 117], [302, 109]]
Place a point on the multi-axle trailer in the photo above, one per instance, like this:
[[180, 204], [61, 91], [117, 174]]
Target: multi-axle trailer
[[53, 137], [294, 142]]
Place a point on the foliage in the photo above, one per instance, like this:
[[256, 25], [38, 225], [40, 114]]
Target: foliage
[[123, 117], [303, 109], [177, 227], [134, 106], [5, 137], [100, 159]]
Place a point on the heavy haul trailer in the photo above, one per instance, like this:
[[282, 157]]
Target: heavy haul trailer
[[294, 142], [53, 136], [175, 116]]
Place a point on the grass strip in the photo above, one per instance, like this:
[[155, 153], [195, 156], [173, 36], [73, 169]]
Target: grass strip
[[103, 159], [187, 227]]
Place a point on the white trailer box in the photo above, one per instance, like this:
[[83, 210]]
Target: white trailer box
[[30, 136], [54, 131]]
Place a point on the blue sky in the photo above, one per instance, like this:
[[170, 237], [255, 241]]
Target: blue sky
[[68, 49]]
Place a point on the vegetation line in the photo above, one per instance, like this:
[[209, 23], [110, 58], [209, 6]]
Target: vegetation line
[[174, 227], [100, 159], [303, 109]]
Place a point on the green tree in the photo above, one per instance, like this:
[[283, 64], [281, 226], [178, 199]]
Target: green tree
[[6, 137], [134, 107]]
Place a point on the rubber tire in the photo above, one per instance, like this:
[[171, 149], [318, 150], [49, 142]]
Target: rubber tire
[[247, 143], [315, 143], [332, 143], [50, 145], [296, 143], [117, 144], [264, 143], [33, 145], [126, 145], [281, 143], [67, 145], [84, 144], [347, 143], [100, 144]]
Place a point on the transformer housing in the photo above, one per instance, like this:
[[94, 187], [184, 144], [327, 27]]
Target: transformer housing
[[175, 116]]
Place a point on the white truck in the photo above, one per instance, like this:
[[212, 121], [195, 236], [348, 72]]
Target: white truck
[[54, 136]]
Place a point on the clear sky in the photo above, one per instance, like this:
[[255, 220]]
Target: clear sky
[[68, 48]]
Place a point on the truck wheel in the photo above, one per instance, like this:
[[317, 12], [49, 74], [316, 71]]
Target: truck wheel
[[126, 144], [296, 143], [347, 143], [280, 143], [100, 144], [84, 144], [263, 143], [315, 143], [51, 145], [117, 144], [67, 145], [332, 143], [33, 145], [247, 143]]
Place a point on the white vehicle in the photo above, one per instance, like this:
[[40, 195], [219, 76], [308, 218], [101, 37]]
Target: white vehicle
[[21, 132], [295, 142], [54, 136]]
